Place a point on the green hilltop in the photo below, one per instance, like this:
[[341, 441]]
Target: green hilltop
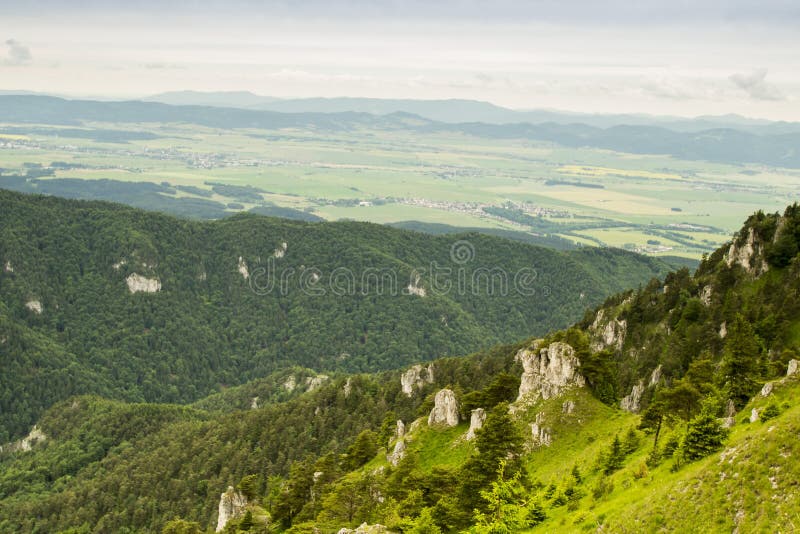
[[670, 407]]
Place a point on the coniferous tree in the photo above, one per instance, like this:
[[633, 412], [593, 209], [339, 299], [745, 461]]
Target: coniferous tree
[[739, 363]]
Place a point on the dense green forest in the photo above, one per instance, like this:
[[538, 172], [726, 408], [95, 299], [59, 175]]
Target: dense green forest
[[238, 299], [686, 421]]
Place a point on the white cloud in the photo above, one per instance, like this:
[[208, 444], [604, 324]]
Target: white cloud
[[18, 53], [756, 86]]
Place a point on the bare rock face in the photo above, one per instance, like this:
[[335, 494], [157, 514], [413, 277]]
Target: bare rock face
[[347, 389], [314, 382], [754, 415], [766, 391], [548, 371], [415, 287], [290, 384], [609, 333], [568, 407], [791, 369], [365, 529], [655, 376], [242, 268], [280, 251], [138, 283], [415, 378], [231, 506], [723, 330], [35, 306], [398, 452], [254, 403], [476, 420], [9, 268], [34, 437], [445, 409], [633, 402], [748, 255], [540, 435], [706, 294], [730, 412], [400, 429]]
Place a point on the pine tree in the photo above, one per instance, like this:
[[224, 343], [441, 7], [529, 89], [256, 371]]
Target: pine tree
[[704, 435], [615, 458], [739, 362]]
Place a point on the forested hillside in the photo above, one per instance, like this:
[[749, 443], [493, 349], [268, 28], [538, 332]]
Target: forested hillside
[[669, 407], [102, 299]]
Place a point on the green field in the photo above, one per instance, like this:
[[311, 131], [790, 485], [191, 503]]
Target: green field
[[590, 196]]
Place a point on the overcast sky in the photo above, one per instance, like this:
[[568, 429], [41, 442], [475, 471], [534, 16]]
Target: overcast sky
[[667, 57]]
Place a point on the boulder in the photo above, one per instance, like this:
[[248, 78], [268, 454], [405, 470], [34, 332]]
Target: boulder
[[766, 391], [445, 409], [35, 306], [476, 420], [791, 369], [548, 371], [398, 452]]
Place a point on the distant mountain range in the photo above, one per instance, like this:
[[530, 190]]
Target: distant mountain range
[[459, 111], [722, 144]]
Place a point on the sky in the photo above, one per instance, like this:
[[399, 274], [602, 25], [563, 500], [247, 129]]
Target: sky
[[619, 56]]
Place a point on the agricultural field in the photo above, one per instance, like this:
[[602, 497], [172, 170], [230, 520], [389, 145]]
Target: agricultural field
[[653, 204]]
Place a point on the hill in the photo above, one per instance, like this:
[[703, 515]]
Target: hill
[[669, 407], [138, 306]]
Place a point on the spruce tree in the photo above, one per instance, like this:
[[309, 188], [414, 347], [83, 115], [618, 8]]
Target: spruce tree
[[739, 362]]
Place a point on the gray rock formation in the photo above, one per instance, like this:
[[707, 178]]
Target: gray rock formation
[[748, 255], [548, 371], [568, 407], [415, 378], [34, 437], [541, 436], [232, 505], [766, 391], [633, 402], [314, 382], [655, 376], [365, 529], [254, 403], [476, 420], [290, 383], [9, 268], [141, 284], [791, 369], [610, 333], [398, 452], [723, 330], [400, 429], [280, 251], [348, 387], [754, 414], [730, 413], [705, 295], [242, 268], [35, 306], [445, 409]]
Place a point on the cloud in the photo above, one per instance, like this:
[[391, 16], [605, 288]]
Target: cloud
[[18, 53], [756, 86]]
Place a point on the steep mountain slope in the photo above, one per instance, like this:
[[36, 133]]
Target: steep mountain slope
[[667, 408], [140, 306]]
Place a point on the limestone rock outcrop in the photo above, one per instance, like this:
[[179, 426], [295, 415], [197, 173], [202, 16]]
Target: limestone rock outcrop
[[365, 529], [749, 255], [138, 283], [415, 378], [398, 452], [633, 402], [476, 420], [541, 436], [548, 371], [568, 407], [445, 409], [231, 506], [280, 251], [766, 391], [242, 268], [35, 306], [27, 443], [610, 333], [314, 382], [791, 369], [9, 268]]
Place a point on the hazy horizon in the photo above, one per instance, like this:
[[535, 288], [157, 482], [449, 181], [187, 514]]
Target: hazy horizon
[[681, 59]]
